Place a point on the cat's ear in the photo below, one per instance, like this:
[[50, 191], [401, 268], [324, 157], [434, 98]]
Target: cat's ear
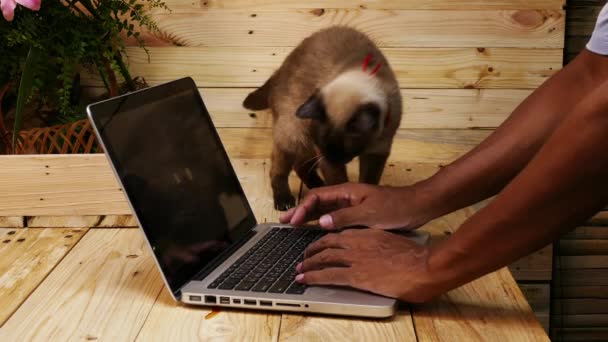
[[313, 108], [365, 119]]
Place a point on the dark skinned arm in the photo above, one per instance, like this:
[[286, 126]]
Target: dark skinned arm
[[565, 183]]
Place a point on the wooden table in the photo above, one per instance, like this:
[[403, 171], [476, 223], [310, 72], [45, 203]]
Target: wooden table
[[80, 271]]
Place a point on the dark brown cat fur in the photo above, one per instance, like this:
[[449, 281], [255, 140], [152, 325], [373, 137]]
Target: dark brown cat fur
[[325, 104]]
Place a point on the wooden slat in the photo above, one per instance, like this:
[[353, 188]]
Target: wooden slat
[[189, 6], [63, 221], [587, 233], [536, 266], [580, 291], [422, 108], [320, 328], [59, 185], [580, 306], [582, 321], [538, 296], [583, 247], [581, 20], [171, 322], [581, 262], [26, 257], [84, 184], [103, 290], [12, 222], [581, 277], [433, 146], [414, 67], [115, 221], [423, 28], [232, 325], [581, 334]]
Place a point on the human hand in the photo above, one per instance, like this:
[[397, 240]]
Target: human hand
[[372, 260], [352, 204]]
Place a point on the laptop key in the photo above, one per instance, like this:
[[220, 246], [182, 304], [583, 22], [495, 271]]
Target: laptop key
[[296, 288], [245, 285], [279, 287]]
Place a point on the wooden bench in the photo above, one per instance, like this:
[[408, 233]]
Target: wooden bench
[[86, 273]]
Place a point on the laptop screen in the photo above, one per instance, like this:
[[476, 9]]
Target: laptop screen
[[176, 174]]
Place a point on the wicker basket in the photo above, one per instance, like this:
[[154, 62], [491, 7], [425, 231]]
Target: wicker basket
[[75, 137]]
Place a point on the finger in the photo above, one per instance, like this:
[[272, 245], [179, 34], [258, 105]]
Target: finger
[[330, 276], [328, 241], [327, 258], [322, 200], [342, 218], [286, 217]]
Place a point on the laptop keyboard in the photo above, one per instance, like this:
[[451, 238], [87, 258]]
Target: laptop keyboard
[[270, 265]]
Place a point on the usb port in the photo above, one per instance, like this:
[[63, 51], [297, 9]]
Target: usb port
[[210, 300], [265, 303], [224, 300], [236, 301], [249, 302], [195, 298]]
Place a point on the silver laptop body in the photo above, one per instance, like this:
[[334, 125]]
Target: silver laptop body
[[168, 158]]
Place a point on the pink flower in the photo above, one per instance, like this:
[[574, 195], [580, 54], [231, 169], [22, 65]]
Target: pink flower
[[8, 7]]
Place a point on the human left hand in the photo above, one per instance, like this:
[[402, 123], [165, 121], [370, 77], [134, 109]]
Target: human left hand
[[372, 260]]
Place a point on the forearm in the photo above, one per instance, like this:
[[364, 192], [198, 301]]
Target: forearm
[[486, 169], [565, 183]]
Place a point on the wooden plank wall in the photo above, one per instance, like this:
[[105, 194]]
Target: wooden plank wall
[[580, 285], [463, 66], [580, 22]]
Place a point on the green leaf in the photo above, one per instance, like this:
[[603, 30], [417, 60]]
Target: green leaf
[[25, 88]]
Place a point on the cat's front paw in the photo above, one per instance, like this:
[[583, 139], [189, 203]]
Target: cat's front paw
[[284, 202]]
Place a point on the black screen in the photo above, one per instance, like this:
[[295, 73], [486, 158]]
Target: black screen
[[176, 174]]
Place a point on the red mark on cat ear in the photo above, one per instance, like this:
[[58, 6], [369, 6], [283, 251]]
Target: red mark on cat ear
[[366, 62]]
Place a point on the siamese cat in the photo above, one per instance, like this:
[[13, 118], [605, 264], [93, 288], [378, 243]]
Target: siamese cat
[[334, 98]]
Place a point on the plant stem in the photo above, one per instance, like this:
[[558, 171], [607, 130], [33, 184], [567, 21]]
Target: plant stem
[[124, 71], [111, 79]]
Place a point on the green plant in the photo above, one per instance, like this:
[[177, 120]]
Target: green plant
[[42, 52]]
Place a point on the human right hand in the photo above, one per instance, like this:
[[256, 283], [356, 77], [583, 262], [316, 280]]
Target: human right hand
[[353, 204]]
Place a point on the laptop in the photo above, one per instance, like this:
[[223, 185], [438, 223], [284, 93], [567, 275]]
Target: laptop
[[180, 184]]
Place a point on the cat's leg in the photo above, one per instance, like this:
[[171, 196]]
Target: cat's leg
[[371, 166], [333, 173], [306, 168], [282, 163]]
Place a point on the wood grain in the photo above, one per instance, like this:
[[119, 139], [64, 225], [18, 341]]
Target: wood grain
[[581, 320], [59, 185], [63, 221], [116, 221], [587, 233], [597, 291], [583, 247], [581, 277], [422, 108], [536, 266], [103, 290], [320, 328], [580, 306], [189, 6], [425, 28], [27, 256], [84, 184], [12, 222], [582, 261], [414, 67], [169, 321]]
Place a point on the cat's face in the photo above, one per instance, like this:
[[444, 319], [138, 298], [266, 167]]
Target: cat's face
[[348, 118]]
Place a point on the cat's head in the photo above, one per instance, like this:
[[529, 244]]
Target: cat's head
[[349, 113]]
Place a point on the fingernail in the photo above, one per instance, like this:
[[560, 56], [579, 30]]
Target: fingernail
[[300, 277], [299, 267], [326, 221]]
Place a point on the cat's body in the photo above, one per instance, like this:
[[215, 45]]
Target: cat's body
[[335, 96]]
